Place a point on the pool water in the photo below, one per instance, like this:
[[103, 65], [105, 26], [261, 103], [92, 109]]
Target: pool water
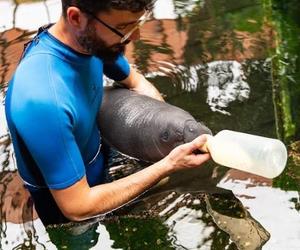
[[231, 64]]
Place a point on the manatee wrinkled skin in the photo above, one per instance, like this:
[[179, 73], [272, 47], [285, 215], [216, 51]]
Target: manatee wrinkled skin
[[142, 127]]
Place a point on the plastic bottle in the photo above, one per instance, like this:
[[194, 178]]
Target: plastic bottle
[[254, 154]]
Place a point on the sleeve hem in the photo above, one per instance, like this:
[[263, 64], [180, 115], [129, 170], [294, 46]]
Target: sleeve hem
[[119, 70], [66, 184]]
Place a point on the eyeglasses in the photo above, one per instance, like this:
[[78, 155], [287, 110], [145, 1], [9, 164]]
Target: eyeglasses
[[125, 37]]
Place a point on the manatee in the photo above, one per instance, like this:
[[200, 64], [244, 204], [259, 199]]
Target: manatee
[[142, 127]]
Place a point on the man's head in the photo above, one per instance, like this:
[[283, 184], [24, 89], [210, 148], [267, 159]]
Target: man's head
[[104, 27]]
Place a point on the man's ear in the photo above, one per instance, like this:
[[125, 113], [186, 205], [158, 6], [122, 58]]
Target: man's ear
[[76, 18]]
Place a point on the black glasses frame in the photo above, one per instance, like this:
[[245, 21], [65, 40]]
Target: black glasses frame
[[105, 24], [114, 30]]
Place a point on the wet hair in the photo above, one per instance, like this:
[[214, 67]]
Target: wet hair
[[95, 6]]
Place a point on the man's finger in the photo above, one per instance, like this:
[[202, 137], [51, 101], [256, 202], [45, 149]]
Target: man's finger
[[197, 143], [197, 160]]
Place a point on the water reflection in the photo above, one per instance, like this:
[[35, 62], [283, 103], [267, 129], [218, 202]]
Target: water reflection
[[18, 13], [264, 202], [189, 221], [204, 56], [187, 212], [11, 46], [226, 83]]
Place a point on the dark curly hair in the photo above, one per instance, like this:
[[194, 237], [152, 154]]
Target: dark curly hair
[[95, 6]]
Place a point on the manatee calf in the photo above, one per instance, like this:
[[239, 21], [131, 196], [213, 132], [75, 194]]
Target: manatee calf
[[142, 127]]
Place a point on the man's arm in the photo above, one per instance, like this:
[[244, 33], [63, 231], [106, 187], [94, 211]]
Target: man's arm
[[137, 82], [80, 202]]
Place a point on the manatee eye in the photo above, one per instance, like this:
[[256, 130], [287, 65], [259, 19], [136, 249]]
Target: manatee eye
[[165, 136]]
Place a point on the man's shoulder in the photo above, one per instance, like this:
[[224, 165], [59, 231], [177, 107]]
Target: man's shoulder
[[32, 73], [34, 83]]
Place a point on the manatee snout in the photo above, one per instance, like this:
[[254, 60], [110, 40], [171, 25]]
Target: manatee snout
[[193, 129]]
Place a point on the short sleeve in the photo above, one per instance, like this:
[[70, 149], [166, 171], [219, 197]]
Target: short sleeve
[[117, 70], [46, 130]]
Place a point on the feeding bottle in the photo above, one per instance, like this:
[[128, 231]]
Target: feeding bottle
[[254, 154]]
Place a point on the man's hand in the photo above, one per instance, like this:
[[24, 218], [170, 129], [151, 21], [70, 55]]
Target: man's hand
[[182, 157], [137, 82]]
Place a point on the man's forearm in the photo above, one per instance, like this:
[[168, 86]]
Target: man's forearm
[[117, 193], [137, 82], [79, 201], [107, 197]]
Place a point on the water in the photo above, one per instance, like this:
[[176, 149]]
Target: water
[[232, 64]]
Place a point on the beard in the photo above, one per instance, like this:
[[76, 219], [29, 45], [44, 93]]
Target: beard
[[95, 46]]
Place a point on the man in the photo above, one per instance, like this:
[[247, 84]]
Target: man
[[51, 108]]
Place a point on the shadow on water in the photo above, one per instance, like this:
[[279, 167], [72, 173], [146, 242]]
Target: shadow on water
[[232, 64]]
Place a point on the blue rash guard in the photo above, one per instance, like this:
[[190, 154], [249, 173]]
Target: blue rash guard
[[51, 108]]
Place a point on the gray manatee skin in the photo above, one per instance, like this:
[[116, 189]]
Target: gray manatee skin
[[142, 127]]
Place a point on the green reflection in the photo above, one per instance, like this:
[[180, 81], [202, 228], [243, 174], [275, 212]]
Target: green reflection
[[137, 233], [218, 28], [74, 238], [286, 76], [144, 50], [287, 67]]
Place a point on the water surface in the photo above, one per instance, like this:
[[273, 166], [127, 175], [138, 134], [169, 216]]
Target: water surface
[[231, 64]]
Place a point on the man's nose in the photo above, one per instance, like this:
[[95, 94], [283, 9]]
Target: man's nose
[[136, 35]]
